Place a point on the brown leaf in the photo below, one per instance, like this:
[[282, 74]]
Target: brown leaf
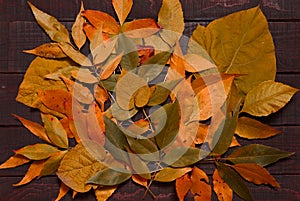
[[222, 190], [33, 172], [183, 185], [103, 193], [75, 55], [145, 52], [200, 186], [101, 96], [140, 28], [14, 161], [47, 50], [140, 180], [35, 128], [110, 66], [63, 190], [256, 174], [77, 29], [122, 8]]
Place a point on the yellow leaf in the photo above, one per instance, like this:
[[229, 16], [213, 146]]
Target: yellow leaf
[[77, 29], [170, 174], [122, 8], [183, 185], [197, 41], [103, 193], [75, 55], [56, 31], [110, 66], [140, 28], [196, 63], [33, 172], [85, 75], [52, 163], [14, 161], [63, 190], [142, 96], [222, 190], [256, 174], [200, 187], [47, 50], [37, 151], [234, 142]]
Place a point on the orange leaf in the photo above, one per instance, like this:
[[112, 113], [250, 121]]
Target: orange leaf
[[183, 185], [201, 134], [35, 128], [89, 31], [97, 18], [177, 64], [140, 28], [63, 190], [65, 122], [14, 161], [33, 172], [101, 96], [77, 29], [110, 66], [122, 8], [200, 186], [234, 142], [256, 174], [140, 180], [145, 52], [222, 190], [48, 50]]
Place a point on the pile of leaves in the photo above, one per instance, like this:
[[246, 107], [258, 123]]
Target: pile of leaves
[[137, 104]]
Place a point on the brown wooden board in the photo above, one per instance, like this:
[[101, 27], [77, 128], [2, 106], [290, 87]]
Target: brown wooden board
[[3, 46]]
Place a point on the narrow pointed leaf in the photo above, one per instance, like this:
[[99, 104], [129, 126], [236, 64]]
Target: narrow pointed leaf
[[63, 190], [75, 55], [109, 177], [103, 193], [85, 75], [222, 190], [37, 151], [110, 66], [77, 29], [51, 164], [48, 50], [170, 174], [14, 161], [122, 8], [65, 72]]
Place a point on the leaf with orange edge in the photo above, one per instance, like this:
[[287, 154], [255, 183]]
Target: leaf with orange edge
[[110, 66], [47, 50], [200, 187], [170, 174], [140, 28], [201, 134], [222, 190], [14, 161], [75, 55], [63, 190], [65, 122], [177, 64], [140, 180], [89, 31], [183, 185], [77, 29], [122, 8]]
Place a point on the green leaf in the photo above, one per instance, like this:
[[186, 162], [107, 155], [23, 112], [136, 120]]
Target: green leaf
[[186, 156], [144, 147], [139, 166], [167, 116], [77, 167], [235, 181], [55, 131], [267, 98], [169, 174], [241, 43], [110, 83], [56, 31], [37, 151], [130, 58], [253, 129], [257, 153], [52, 164], [109, 177]]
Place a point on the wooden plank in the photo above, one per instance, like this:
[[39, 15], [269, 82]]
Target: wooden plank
[[193, 9], [27, 35], [46, 189], [3, 45]]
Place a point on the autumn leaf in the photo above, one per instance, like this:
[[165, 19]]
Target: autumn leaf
[[253, 129], [122, 8], [200, 187], [109, 177], [101, 96], [183, 185], [102, 50], [140, 180], [56, 31], [196, 63], [142, 95], [170, 174], [52, 163], [177, 64], [75, 55], [129, 50], [268, 97], [63, 72], [145, 148], [84, 75], [77, 29], [14, 161], [256, 174], [222, 190], [63, 190], [37, 151], [140, 28], [48, 50], [110, 66], [103, 193], [89, 30]]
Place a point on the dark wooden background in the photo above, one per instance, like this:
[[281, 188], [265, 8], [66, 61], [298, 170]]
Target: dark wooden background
[[19, 31]]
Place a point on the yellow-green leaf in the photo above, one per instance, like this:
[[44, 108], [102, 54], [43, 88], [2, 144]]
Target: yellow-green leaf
[[37, 151], [14, 161], [142, 96], [109, 177], [56, 31], [122, 8], [253, 129], [222, 190], [75, 55], [52, 163], [256, 174], [47, 50], [103, 193], [130, 58], [268, 97], [78, 34], [170, 174]]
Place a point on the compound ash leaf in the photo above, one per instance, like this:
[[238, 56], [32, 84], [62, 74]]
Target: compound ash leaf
[[56, 31], [55, 131], [200, 187], [63, 190], [75, 55], [109, 177], [35, 128], [110, 66], [77, 167], [122, 8], [47, 50], [103, 193], [37, 151], [253, 129], [140, 28], [183, 185], [222, 190], [14, 161], [32, 172], [268, 97], [52, 163], [234, 181], [98, 19], [77, 29], [257, 153], [256, 174], [169, 174]]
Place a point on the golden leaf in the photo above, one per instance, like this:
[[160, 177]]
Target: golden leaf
[[170, 174], [14, 161], [222, 190], [75, 55], [196, 63], [63, 190], [200, 187], [101, 96], [141, 28], [140, 180], [110, 66], [122, 8], [77, 29], [37, 151], [85, 75], [48, 50], [103, 193]]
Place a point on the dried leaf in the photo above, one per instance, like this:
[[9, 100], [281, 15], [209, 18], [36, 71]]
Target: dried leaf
[[103, 193], [48, 50], [177, 64], [51, 164], [200, 187], [77, 167], [56, 31], [234, 142], [118, 113], [77, 29], [183, 185], [75, 55], [222, 190], [259, 154], [268, 97], [85, 76], [138, 127], [170, 174], [101, 96], [253, 129], [127, 47], [140, 180], [55, 131], [142, 95], [145, 148], [140, 28], [103, 50], [95, 43], [196, 63], [14, 161], [256, 174], [109, 177], [201, 134], [89, 31], [122, 8], [63, 190], [63, 72], [110, 66], [37, 151]]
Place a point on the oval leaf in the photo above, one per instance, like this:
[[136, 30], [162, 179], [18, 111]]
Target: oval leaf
[[77, 29], [37, 151], [109, 177], [170, 174], [122, 8], [222, 190]]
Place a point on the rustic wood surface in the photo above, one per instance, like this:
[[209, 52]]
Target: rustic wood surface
[[18, 31]]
